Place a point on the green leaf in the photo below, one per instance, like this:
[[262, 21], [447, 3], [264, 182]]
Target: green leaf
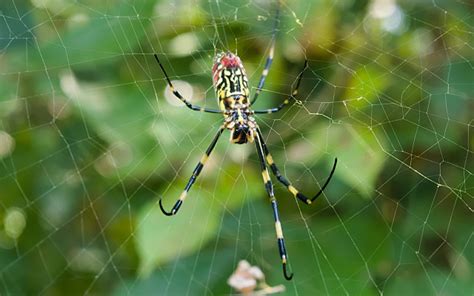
[[160, 238], [236, 185], [359, 153], [8, 102], [432, 282], [107, 35], [367, 83], [175, 279]]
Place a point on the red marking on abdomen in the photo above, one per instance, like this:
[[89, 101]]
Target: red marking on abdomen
[[230, 61]]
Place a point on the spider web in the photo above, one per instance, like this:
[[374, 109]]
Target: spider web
[[91, 139]]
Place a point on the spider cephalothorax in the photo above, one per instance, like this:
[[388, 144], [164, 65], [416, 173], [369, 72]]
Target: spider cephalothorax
[[231, 85], [241, 123]]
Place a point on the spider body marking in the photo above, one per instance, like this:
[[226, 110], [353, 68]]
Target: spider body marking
[[231, 86], [232, 90]]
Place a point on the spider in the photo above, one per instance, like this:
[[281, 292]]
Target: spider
[[232, 89]]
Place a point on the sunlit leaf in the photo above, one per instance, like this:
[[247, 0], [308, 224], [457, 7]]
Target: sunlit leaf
[[101, 39], [160, 238]]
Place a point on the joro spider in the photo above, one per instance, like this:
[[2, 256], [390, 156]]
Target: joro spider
[[231, 85]]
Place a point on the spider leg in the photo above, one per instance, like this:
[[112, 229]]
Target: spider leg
[[194, 176], [269, 189], [179, 96], [292, 96], [284, 181], [269, 60]]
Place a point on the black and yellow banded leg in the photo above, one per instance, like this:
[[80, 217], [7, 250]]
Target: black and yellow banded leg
[[194, 176], [271, 195], [179, 96], [285, 181], [269, 60], [265, 71], [293, 95]]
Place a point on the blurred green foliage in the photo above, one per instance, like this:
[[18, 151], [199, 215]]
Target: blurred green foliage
[[89, 143]]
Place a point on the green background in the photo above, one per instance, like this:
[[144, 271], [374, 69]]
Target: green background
[[89, 143]]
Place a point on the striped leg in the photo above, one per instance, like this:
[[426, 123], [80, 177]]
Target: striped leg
[[179, 96], [195, 174], [269, 60], [269, 189], [294, 92], [265, 71], [287, 183]]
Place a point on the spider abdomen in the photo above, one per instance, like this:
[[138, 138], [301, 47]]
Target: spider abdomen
[[229, 80]]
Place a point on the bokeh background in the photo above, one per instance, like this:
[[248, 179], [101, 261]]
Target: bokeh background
[[90, 140]]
